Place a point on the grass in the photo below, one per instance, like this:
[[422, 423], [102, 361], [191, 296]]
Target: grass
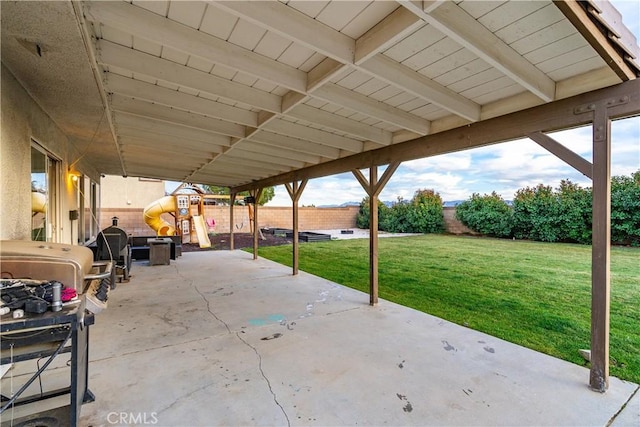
[[537, 295]]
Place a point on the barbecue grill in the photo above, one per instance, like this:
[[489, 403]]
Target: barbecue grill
[[73, 266], [50, 329]]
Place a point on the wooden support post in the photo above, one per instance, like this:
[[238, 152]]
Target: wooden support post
[[373, 187], [373, 237], [601, 250], [256, 229], [232, 201], [295, 191]]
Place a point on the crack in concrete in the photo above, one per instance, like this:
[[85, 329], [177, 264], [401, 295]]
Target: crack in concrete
[[255, 350], [209, 308], [152, 349], [613, 418], [275, 398], [185, 396]]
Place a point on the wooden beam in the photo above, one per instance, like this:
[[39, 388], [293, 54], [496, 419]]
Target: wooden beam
[[563, 153], [162, 69], [242, 154], [543, 118], [456, 23], [150, 142], [173, 116], [295, 191], [579, 18], [294, 25], [419, 85], [256, 193], [172, 98], [342, 124], [296, 144], [373, 187], [232, 202], [396, 26], [339, 49], [373, 237], [357, 102], [256, 147], [386, 176], [167, 132], [601, 250], [150, 26], [295, 130]]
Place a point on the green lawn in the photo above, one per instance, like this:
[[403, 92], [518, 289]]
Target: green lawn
[[534, 294]]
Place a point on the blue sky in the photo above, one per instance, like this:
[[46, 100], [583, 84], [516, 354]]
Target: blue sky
[[503, 168]]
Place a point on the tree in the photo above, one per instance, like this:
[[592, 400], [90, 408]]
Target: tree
[[625, 209], [423, 214], [426, 215], [362, 218], [574, 212], [488, 214], [397, 218]]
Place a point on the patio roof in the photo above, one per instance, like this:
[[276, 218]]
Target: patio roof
[[230, 93]]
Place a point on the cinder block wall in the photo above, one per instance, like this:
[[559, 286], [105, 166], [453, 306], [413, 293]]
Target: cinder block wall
[[452, 225], [131, 219]]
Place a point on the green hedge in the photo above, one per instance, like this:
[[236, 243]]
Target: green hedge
[[423, 214], [555, 215], [489, 215]]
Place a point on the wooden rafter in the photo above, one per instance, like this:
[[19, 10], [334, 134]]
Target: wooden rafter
[[599, 41], [456, 23], [544, 118]]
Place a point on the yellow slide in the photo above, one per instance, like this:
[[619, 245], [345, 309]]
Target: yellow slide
[[38, 202], [201, 231], [154, 210]]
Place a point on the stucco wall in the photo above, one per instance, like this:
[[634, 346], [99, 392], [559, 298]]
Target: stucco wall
[[22, 121], [15, 162], [117, 192]]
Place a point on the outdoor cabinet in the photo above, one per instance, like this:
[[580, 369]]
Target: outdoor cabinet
[[159, 251]]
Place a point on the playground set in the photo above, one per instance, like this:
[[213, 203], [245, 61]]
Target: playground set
[[186, 205]]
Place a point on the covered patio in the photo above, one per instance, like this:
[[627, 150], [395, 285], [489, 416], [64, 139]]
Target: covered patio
[[218, 339], [250, 95]]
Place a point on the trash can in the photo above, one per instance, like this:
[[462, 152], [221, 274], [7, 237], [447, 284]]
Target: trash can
[[159, 251]]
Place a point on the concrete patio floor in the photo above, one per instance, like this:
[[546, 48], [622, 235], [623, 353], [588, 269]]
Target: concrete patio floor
[[217, 338]]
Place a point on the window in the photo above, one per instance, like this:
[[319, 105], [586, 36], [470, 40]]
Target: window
[[45, 173], [88, 210]]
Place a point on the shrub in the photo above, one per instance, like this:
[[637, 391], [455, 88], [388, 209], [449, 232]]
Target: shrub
[[488, 214], [625, 209], [535, 214], [397, 218], [426, 214], [574, 212], [563, 215], [423, 214], [362, 219]]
